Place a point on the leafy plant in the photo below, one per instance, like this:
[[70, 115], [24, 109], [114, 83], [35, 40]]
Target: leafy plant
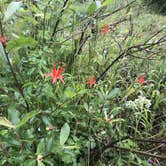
[[81, 83]]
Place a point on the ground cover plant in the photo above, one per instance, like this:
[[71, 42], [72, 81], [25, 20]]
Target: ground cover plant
[[82, 83]]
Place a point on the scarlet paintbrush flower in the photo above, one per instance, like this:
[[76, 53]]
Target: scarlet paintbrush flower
[[56, 74], [141, 79], [3, 41], [105, 29], [91, 81]]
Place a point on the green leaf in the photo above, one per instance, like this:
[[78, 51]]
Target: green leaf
[[30, 162], [2, 53], [11, 9], [64, 134], [27, 117], [115, 92], [130, 91], [69, 92], [40, 163], [13, 115], [91, 9], [71, 147], [41, 146], [20, 42], [106, 3], [5, 122]]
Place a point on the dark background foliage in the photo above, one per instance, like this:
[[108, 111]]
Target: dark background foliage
[[158, 6]]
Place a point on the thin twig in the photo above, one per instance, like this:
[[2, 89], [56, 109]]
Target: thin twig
[[44, 20], [16, 80], [148, 140], [95, 153], [155, 148], [129, 51], [115, 11], [140, 152], [58, 20], [158, 32]]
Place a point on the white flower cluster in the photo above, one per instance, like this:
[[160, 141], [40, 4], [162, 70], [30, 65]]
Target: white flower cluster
[[139, 104]]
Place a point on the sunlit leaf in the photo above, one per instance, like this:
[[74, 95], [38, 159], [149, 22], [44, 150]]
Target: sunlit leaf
[[106, 3], [115, 92], [71, 147], [91, 9], [69, 92], [11, 9], [13, 115], [5, 122], [2, 53], [27, 117], [64, 134], [30, 162], [41, 147], [21, 42]]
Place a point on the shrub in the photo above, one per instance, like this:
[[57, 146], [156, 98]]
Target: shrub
[[158, 6]]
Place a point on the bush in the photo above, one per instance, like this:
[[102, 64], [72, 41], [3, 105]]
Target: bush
[[158, 6], [80, 84]]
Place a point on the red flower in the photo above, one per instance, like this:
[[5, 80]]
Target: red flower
[[91, 81], [3, 41], [105, 29], [141, 79], [56, 74]]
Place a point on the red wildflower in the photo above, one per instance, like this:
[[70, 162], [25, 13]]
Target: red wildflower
[[105, 29], [91, 81], [3, 41], [56, 74], [141, 79]]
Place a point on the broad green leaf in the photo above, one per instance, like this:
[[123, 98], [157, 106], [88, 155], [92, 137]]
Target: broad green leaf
[[30, 162], [116, 110], [91, 9], [69, 92], [20, 42], [71, 147], [117, 120], [130, 91], [106, 3], [5, 122], [27, 117], [13, 114], [41, 147], [11, 9], [40, 163], [2, 53], [98, 4], [115, 92], [64, 134]]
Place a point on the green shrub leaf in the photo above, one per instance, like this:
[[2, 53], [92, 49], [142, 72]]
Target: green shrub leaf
[[11, 9], [115, 92], [5, 122], [1, 50], [27, 117], [106, 3], [91, 9], [64, 134], [69, 92], [20, 42]]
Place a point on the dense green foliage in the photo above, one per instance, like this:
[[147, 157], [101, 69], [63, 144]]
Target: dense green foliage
[[157, 5], [110, 110]]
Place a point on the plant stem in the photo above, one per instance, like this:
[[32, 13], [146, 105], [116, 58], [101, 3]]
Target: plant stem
[[58, 20], [16, 80], [140, 152]]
